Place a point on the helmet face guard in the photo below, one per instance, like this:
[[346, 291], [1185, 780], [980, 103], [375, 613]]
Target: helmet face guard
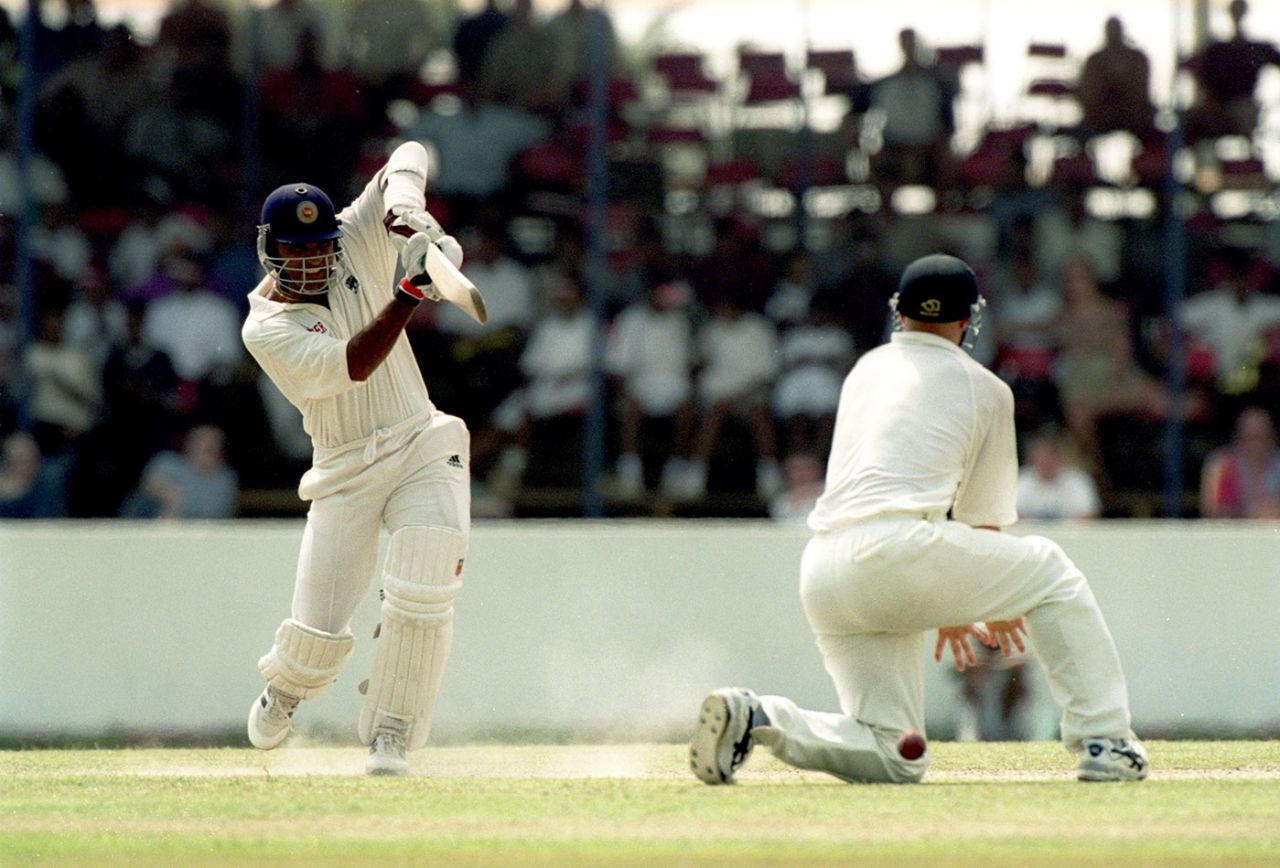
[[299, 214]]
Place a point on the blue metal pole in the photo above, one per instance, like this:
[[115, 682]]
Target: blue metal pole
[[24, 123], [1175, 284], [596, 267]]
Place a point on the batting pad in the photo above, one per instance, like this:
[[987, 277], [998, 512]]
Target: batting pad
[[420, 581], [304, 661]]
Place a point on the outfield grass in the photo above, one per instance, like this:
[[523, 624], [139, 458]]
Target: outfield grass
[[1206, 803]]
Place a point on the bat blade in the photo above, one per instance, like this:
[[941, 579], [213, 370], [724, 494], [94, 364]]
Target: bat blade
[[454, 286]]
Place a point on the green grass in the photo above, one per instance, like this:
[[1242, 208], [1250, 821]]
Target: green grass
[[1206, 803]]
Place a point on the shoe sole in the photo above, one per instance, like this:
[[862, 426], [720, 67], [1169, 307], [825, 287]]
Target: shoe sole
[[711, 749], [1108, 776], [386, 771]]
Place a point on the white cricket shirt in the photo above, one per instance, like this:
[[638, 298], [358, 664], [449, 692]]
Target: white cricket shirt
[[921, 428], [303, 347]]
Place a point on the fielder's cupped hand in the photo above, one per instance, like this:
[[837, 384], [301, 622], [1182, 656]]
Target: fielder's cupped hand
[[958, 639], [1007, 635]]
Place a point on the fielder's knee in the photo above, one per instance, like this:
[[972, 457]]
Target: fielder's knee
[[304, 660]]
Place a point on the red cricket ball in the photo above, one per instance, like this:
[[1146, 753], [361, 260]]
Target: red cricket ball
[[911, 745]]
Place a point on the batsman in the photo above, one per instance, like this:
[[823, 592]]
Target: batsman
[[327, 326]]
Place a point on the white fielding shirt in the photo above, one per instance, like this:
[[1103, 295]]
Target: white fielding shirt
[[921, 428], [303, 347]]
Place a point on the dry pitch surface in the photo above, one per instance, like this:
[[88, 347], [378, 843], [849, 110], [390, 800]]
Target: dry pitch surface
[[1006, 804]]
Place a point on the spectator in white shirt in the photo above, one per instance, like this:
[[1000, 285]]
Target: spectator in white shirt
[[816, 356], [1049, 487], [650, 355], [738, 351], [198, 329], [1230, 320], [556, 365]]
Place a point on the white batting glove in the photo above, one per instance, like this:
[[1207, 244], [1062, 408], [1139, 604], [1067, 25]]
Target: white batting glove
[[414, 258], [451, 249], [402, 223]]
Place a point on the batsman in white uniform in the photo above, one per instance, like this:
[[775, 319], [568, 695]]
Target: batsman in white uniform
[[327, 325], [921, 478]]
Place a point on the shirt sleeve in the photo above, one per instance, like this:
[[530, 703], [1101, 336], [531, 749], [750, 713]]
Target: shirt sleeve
[[305, 365], [988, 493]]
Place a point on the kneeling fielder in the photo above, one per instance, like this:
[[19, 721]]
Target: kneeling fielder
[[922, 431], [327, 325]]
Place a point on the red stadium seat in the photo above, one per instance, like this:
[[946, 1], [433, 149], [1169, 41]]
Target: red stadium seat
[[839, 69]]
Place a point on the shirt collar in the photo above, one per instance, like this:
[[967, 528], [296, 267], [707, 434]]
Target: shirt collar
[[924, 338]]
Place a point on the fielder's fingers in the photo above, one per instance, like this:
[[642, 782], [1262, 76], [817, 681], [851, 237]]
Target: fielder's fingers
[[937, 651], [1017, 639], [1003, 640]]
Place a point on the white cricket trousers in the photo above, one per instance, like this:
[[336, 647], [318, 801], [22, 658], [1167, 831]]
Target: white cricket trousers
[[870, 592], [412, 474]]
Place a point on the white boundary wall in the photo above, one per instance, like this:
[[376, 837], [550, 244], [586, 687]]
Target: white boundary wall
[[602, 627]]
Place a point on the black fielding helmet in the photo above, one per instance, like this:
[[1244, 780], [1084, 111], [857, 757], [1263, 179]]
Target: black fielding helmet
[[937, 288]]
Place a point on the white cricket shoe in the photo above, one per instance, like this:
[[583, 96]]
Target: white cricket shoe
[[722, 736], [1112, 759], [270, 717], [387, 753]]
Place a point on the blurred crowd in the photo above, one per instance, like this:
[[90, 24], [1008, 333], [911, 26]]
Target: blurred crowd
[[748, 256]]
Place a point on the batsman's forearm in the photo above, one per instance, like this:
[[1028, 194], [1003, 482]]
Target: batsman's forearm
[[371, 344]]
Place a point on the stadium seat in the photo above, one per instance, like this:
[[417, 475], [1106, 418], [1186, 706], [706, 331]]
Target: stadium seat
[[839, 70]]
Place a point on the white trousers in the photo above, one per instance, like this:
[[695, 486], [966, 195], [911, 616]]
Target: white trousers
[[414, 474], [872, 590]]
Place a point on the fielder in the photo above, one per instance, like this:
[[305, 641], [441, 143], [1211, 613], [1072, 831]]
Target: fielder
[[921, 477], [327, 325]]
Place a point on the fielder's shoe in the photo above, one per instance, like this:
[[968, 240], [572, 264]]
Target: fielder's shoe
[[1112, 759], [722, 736], [387, 752], [270, 717]]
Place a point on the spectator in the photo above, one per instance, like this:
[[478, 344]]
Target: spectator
[[1096, 374], [738, 351], [918, 119], [198, 329], [1242, 480], [1049, 487], [83, 113], [307, 103], [96, 320], [1066, 229], [60, 243], [1023, 322], [390, 41], [476, 144], [802, 485], [284, 30], [556, 367], [816, 356], [153, 235], [1231, 319], [139, 391], [526, 44], [789, 303], [196, 484], [30, 486], [472, 38], [650, 355], [571, 28], [1226, 73], [65, 385], [1114, 88]]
